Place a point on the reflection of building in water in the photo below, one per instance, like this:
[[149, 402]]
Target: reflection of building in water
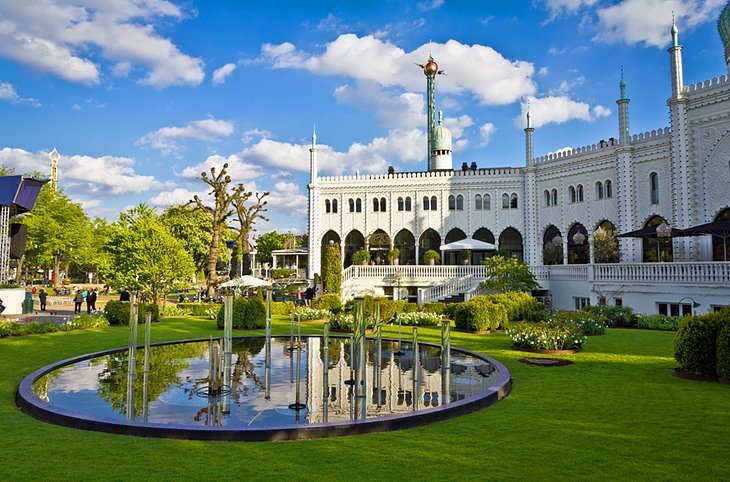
[[392, 392]]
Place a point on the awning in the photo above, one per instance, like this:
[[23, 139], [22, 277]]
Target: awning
[[648, 232], [468, 243], [246, 281], [719, 228]]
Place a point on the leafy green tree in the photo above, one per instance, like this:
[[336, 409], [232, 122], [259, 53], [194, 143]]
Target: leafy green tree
[[193, 228], [332, 269], [58, 232], [605, 245], [508, 274], [144, 255], [266, 243], [6, 171]]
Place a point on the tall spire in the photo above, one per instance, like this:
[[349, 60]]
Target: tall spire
[[313, 157], [314, 136], [622, 84], [430, 70], [675, 31], [675, 56], [529, 139], [623, 112]]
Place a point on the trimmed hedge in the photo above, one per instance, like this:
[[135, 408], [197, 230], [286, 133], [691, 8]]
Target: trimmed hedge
[[199, 309], [329, 301], [480, 314], [695, 346], [282, 307], [723, 352], [117, 312], [436, 307], [247, 313], [519, 305]]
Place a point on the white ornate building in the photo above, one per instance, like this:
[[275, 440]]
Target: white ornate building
[[677, 175]]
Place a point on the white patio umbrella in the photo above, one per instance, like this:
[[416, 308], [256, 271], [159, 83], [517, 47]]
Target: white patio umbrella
[[246, 281], [468, 243]]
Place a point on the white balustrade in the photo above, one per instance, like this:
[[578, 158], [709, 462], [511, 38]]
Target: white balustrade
[[715, 273]]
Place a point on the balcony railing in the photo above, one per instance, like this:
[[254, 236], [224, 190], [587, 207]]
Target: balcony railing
[[439, 292]]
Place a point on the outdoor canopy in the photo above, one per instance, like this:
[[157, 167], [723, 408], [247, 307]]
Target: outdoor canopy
[[246, 281], [468, 243], [719, 228], [647, 232]]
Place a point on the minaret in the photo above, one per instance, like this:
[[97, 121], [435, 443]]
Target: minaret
[[313, 216], [529, 140], [430, 70], [675, 55], [623, 112], [441, 147], [313, 157], [54, 156]]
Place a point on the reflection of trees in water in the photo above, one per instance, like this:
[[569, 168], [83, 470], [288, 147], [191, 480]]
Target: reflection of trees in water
[[166, 364], [41, 386]]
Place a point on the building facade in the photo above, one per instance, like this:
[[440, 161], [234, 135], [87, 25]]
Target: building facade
[[550, 211]]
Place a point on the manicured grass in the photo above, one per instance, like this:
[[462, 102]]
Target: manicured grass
[[617, 413]]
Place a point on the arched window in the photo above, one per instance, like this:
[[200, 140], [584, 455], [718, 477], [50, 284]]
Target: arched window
[[452, 202], [505, 201], [580, 193], [571, 192], [555, 197], [608, 189], [459, 202], [351, 205], [334, 205], [408, 203], [425, 203], [478, 202], [400, 204], [434, 205], [376, 204], [513, 201], [599, 190], [487, 202], [327, 206], [654, 187], [382, 204], [358, 205], [547, 197]]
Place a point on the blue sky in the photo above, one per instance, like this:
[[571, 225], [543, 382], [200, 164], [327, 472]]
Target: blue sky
[[140, 96]]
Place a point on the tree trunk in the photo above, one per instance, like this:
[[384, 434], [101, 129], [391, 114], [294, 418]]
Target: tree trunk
[[211, 276], [56, 272]]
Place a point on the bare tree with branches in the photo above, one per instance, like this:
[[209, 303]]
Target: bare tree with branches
[[223, 208], [247, 216]]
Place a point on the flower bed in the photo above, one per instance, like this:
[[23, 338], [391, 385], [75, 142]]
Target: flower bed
[[419, 319], [305, 313], [9, 328], [550, 335]]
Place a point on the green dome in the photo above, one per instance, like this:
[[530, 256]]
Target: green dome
[[723, 26], [441, 138]]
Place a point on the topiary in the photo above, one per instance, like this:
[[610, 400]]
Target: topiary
[[431, 255], [247, 314], [695, 346], [480, 314], [723, 352], [329, 301]]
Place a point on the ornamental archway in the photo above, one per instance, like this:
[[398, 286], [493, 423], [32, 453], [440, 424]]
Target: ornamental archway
[[379, 244]]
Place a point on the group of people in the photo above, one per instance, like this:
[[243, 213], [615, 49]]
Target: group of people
[[304, 298], [88, 296]]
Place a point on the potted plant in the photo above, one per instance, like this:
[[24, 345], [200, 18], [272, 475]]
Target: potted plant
[[431, 257], [393, 256], [361, 257], [465, 256]]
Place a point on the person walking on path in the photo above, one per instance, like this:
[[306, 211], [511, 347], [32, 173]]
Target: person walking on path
[[43, 297], [308, 295], [78, 300], [91, 301]]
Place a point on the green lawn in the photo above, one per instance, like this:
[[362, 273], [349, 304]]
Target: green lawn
[[617, 413]]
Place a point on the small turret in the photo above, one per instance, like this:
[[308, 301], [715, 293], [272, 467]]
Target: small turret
[[313, 157], [441, 147]]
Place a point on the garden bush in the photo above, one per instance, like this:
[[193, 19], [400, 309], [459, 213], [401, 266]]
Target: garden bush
[[307, 313], [199, 309], [282, 307], [550, 335], [10, 328], [422, 318], [658, 322], [616, 316], [280, 273], [342, 322], [519, 305], [723, 352], [247, 313], [172, 310], [117, 312], [695, 345], [329, 301], [434, 307], [587, 323], [480, 314]]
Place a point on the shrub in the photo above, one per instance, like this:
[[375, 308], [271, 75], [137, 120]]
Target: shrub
[[282, 307], [307, 313], [393, 254], [172, 310], [332, 268], [508, 274], [434, 307], [658, 322], [361, 257], [117, 312], [199, 309], [282, 273], [342, 321], [519, 305], [695, 346], [480, 314], [247, 313], [723, 352], [329, 301], [419, 319], [431, 255], [616, 316], [551, 335], [587, 323], [9, 328]]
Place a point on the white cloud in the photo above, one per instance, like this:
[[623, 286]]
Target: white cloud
[[332, 23], [252, 134], [457, 125], [567, 85], [648, 22], [238, 168], [220, 75], [53, 36], [558, 110], [8, 92], [473, 69], [286, 198], [169, 140], [485, 132], [176, 197], [570, 6], [430, 5], [402, 111], [85, 175]]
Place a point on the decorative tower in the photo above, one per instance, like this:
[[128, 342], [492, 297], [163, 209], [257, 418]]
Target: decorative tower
[[54, 156], [314, 252], [532, 254], [623, 112], [431, 70], [440, 155], [723, 26], [529, 141], [680, 169]]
